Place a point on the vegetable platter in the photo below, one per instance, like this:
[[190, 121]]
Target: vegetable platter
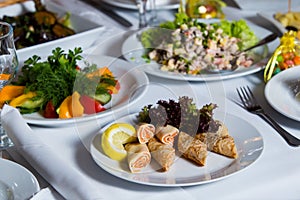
[[86, 31], [65, 88]]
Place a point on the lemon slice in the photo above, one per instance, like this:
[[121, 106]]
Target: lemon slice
[[114, 137]]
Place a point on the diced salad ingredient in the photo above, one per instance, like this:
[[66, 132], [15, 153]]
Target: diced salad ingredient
[[58, 87], [188, 46]]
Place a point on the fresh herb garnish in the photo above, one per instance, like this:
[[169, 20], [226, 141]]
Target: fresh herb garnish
[[182, 114], [52, 79]]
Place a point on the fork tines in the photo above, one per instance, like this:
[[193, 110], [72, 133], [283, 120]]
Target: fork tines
[[246, 96]]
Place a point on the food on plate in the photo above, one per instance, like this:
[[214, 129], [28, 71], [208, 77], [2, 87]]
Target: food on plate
[[114, 137], [144, 132], [37, 27], [59, 88], [289, 19], [199, 124], [9, 92], [166, 134], [221, 144], [138, 156], [205, 9], [192, 148], [188, 46], [286, 55], [164, 154], [193, 133]]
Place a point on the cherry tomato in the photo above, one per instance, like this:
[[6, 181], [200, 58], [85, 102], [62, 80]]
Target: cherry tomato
[[91, 105], [50, 111]]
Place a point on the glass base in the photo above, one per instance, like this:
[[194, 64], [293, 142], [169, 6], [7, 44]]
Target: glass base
[[5, 142]]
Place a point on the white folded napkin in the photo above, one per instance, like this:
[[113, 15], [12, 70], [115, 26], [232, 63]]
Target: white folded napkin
[[46, 194], [67, 180]]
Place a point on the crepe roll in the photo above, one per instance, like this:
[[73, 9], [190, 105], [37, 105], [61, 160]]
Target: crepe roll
[[144, 132], [221, 144], [166, 134], [164, 154], [138, 156], [222, 130], [192, 148]]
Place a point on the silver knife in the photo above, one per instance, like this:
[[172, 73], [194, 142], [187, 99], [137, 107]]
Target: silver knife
[[109, 12]]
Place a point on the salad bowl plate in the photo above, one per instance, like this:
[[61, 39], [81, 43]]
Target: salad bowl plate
[[134, 52], [133, 85], [87, 32]]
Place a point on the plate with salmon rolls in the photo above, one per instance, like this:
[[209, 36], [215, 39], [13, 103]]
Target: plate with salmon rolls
[[168, 156]]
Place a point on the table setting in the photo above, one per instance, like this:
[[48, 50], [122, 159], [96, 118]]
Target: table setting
[[71, 155]]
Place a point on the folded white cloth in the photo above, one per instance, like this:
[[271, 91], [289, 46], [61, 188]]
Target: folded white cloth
[[66, 180], [46, 194]]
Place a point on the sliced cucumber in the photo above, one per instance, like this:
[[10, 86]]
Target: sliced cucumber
[[31, 104], [103, 98]]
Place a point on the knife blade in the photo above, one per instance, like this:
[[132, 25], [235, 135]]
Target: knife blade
[[109, 12]]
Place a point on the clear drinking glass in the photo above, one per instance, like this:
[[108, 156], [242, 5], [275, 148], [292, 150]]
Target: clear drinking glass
[[8, 68], [141, 5]]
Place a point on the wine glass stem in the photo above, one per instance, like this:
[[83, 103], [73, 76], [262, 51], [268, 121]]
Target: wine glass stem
[[153, 10], [141, 4]]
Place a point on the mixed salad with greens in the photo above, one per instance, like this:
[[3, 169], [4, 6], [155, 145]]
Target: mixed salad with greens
[[59, 88], [188, 46]]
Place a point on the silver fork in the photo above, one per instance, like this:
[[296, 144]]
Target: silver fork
[[252, 106]]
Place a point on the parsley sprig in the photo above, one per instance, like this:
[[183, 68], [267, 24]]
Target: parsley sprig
[[52, 79]]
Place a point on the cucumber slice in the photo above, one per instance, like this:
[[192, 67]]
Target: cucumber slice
[[103, 98]]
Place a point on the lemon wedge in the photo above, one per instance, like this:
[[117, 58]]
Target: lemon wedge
[[114, 137]]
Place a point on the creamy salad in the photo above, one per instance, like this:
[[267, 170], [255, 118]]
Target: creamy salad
[[192, 47]]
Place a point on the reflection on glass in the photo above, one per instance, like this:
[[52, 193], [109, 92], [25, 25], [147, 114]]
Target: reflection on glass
[[8, 66]]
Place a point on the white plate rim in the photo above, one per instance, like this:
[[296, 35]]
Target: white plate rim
[[256, 152], [274, 85], [27, 179], [132, 50], [141, 80]]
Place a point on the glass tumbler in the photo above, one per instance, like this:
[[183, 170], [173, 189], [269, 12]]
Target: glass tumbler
[[8, 68]]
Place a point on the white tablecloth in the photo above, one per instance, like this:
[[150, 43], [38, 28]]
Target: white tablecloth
[[275, 175]]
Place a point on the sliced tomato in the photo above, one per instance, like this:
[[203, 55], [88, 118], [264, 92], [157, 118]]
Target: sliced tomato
[[91, 105], [50, 111]]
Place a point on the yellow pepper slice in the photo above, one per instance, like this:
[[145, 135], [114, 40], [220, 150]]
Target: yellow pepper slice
[[9, 92], [71, 107], [18, 101], [64, 111], [75, 107]]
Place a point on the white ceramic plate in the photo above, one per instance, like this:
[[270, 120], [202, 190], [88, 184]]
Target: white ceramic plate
[[133, 50], [183, 172], [130, 4], [280, 95], [87, 32], [133, 82], [269, 16], [18, 179]]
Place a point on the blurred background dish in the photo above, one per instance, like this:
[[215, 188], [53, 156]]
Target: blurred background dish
[[20, 181], [129, 4], [86, 31]]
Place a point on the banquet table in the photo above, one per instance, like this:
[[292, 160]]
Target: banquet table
[[274, 175]]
